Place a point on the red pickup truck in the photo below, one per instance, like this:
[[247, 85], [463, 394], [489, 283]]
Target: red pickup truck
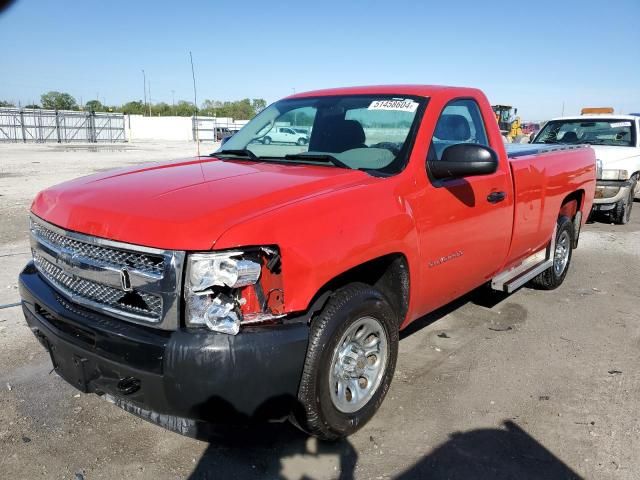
[[271, 280]]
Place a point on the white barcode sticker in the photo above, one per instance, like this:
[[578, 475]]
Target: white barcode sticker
[[395, 104], [620, 124]]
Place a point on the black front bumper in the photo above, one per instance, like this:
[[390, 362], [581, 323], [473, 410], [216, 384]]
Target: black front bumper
[[160, 375]]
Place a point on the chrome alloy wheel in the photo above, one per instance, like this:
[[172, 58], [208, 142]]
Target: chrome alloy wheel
[[561, 257], [358, 365]]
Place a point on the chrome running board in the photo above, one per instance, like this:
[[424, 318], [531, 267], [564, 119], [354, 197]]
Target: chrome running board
[[513, 278]]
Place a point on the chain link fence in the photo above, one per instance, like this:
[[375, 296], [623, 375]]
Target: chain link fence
[[24, 125]]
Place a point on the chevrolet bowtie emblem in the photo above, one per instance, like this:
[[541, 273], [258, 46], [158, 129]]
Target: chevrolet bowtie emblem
[[125, 280]]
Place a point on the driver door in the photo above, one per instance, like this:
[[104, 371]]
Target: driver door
[[464, 224]]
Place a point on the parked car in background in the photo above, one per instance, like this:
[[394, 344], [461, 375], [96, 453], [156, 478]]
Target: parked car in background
[[258, 284], [303, 131], [616, 141], [220, 133], [529, 128], [285, 135]]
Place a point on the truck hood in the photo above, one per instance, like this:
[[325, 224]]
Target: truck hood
[[182, 205], [614, 157]]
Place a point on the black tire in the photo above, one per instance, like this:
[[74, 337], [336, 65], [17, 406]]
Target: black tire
[[266, 140], [552, 277], [622, 212], [317, 414], [302, 141]]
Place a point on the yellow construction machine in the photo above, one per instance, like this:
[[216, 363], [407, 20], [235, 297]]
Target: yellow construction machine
[[509, 123]]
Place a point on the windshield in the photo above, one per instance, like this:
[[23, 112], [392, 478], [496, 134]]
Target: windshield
[[369, 132], [614, 132]]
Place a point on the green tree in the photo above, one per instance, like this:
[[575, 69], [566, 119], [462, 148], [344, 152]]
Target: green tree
[[58, 101], [210, 107], [133, 108], [239, 109], [32, 105], [161, 109], [258, 104], [4, 103], [185, 109], [95, 106]]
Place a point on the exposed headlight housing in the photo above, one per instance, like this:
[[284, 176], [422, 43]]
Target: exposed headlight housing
[[221, 269], [614, 175], [215, 284], [218, 313]]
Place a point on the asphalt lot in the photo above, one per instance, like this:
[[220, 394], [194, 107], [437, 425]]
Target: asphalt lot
[[537, 385]]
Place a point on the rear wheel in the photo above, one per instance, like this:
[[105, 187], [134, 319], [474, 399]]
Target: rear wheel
[[554, 276], [302, 141], [353, 347], [266, 140]]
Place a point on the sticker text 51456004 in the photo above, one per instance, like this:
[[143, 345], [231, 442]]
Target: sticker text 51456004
[[395, 104]]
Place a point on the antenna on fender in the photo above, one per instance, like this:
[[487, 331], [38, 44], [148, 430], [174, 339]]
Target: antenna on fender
[[195, 104]]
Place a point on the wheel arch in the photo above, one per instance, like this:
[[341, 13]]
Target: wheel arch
[[573, 204], [388, 273]]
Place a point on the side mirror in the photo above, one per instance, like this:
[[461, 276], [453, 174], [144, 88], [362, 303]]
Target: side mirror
[[225, 139], [464, 160]]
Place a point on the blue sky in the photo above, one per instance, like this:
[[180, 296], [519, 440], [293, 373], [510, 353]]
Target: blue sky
[[535, 55]]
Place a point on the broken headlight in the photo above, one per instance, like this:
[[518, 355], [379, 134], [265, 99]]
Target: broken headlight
[[221, 269], [224, 289]]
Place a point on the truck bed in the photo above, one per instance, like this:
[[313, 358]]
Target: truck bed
[[543, 176]]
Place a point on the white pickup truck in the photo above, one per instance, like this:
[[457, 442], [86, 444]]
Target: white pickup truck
[[285, 135], [616, 141]]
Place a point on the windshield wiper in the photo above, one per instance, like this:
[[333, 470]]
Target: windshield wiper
[[322, 157], [238, 153]]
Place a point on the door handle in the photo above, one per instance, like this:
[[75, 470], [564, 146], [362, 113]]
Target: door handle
[[495, 197]]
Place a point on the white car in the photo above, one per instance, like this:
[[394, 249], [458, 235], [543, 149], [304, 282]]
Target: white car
[[285, 135], [616, 141]]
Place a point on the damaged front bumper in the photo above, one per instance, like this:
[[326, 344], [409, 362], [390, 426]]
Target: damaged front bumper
[[176, 379], [609, 193]]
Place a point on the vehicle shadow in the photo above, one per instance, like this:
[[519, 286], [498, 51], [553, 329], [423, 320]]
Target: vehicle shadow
[[482, 296], [490, 454], [253, 448]]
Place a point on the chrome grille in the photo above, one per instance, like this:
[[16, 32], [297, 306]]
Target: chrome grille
[[136, 302], [129, 282], [145, 263]]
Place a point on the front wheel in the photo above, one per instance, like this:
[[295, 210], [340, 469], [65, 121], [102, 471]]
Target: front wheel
[[353, 347], [553, 276], [266, 140], [302, 141], [622, 212]]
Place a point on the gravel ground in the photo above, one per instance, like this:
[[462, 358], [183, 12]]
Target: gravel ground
[[532, 385]]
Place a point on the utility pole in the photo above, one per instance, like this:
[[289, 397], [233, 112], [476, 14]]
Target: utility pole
[[149, 85], [195, 104], [173, 101], [144, 89]]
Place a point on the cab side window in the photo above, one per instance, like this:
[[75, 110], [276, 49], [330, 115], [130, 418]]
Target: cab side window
[[459, 122]]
